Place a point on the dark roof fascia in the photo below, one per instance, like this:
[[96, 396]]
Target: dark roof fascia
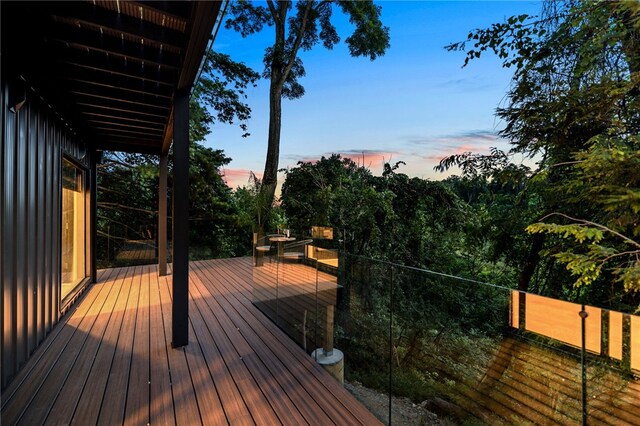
[[203, 18]]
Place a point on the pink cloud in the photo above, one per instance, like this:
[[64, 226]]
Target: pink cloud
[[237, 177], [457, 150], [370, 159]]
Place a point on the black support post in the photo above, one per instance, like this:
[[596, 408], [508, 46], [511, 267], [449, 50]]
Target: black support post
[[180, 314], [162, 217], [93, 216]]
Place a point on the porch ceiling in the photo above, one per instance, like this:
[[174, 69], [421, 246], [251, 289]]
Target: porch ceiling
[[110, 68]]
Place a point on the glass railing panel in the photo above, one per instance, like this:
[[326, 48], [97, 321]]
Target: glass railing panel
[[547, 336], [265, 279], [465, 350], [448, 339], [468, 351], [328, 296], [297, 296], [610, 381], [362, 327], [126, 236]]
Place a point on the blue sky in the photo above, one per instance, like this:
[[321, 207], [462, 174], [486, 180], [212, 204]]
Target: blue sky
[[415, 104]]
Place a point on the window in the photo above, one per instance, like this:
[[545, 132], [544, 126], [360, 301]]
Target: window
[[73, 227]]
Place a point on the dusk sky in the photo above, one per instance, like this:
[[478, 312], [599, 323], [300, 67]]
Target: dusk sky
[[415, 104]]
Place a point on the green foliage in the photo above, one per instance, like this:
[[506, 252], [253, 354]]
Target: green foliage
[[607, 175], [128, 202], [222, 88], [573, 106], [213, 216], [579, 233]]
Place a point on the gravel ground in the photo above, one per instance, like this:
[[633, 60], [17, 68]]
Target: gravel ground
[[403, 411]]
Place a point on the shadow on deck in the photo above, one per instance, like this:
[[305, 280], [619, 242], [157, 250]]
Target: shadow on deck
[[109, 361]]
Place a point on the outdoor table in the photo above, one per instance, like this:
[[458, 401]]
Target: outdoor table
[[281, 241]]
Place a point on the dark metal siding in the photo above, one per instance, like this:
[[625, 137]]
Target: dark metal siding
[[34, 141]]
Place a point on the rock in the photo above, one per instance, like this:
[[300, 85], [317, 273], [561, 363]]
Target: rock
[[404, 411], [443, 408], [430, 419]]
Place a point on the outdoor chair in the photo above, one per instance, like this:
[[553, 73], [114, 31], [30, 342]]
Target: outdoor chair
[[296, 250], [265, 247]]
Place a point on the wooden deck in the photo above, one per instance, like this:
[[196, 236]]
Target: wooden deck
[[109, 361]]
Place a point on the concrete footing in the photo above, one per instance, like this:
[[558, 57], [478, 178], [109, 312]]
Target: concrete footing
[[332, 362]]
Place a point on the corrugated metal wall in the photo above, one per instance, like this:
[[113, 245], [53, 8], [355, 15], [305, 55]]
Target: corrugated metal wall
[[34, 141]]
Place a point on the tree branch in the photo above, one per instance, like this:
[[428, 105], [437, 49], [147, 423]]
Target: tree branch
[[567, 163], [296, 45], [595, 225], [273, 11], [624, 253]]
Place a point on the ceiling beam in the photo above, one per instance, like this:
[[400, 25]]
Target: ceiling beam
[[149, 93], [109, 53], [119, 124], [119, 101], [175, 9], [116, 93], [86, 14], [124, 132], [94, 40], [89, 76], [102, 106], [129, 117], [102, 60]]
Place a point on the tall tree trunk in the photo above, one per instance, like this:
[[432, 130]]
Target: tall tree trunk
[[270, 175], [532, 261]]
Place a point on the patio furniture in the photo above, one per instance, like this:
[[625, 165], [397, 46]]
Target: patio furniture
[[296, 250]]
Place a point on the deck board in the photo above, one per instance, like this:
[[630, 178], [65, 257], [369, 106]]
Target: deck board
[[63, 409], [43, 358], [115, 395], [41, 390], [88, 407], [161, 410], [267, 335], [184, 397], [137, 403], [110, 361]]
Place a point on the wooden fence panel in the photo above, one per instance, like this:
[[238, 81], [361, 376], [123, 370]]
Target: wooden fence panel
[[615, 335], [515, 309], [635, 342], [560, 320]]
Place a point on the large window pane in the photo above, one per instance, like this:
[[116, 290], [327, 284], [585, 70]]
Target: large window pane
[[73, 227]]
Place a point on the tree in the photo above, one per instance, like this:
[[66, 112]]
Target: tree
[[222, 87], [214, 229], [336, 192], [574, 104], [300, 26]]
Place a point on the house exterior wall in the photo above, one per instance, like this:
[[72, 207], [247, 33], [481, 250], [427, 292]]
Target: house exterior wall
[[34, 142]]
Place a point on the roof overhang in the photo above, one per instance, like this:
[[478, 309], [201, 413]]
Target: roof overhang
[[110, 69]]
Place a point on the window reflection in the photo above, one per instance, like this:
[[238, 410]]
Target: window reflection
[[73, 227]]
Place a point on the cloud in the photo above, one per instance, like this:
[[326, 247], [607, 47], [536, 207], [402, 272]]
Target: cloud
[[435, 148], [237, 177], [369, 158], [438, 147], [472, 84], [469, 136]]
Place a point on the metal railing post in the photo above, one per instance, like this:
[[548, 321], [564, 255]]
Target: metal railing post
[[391, 308], [583, 316]]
